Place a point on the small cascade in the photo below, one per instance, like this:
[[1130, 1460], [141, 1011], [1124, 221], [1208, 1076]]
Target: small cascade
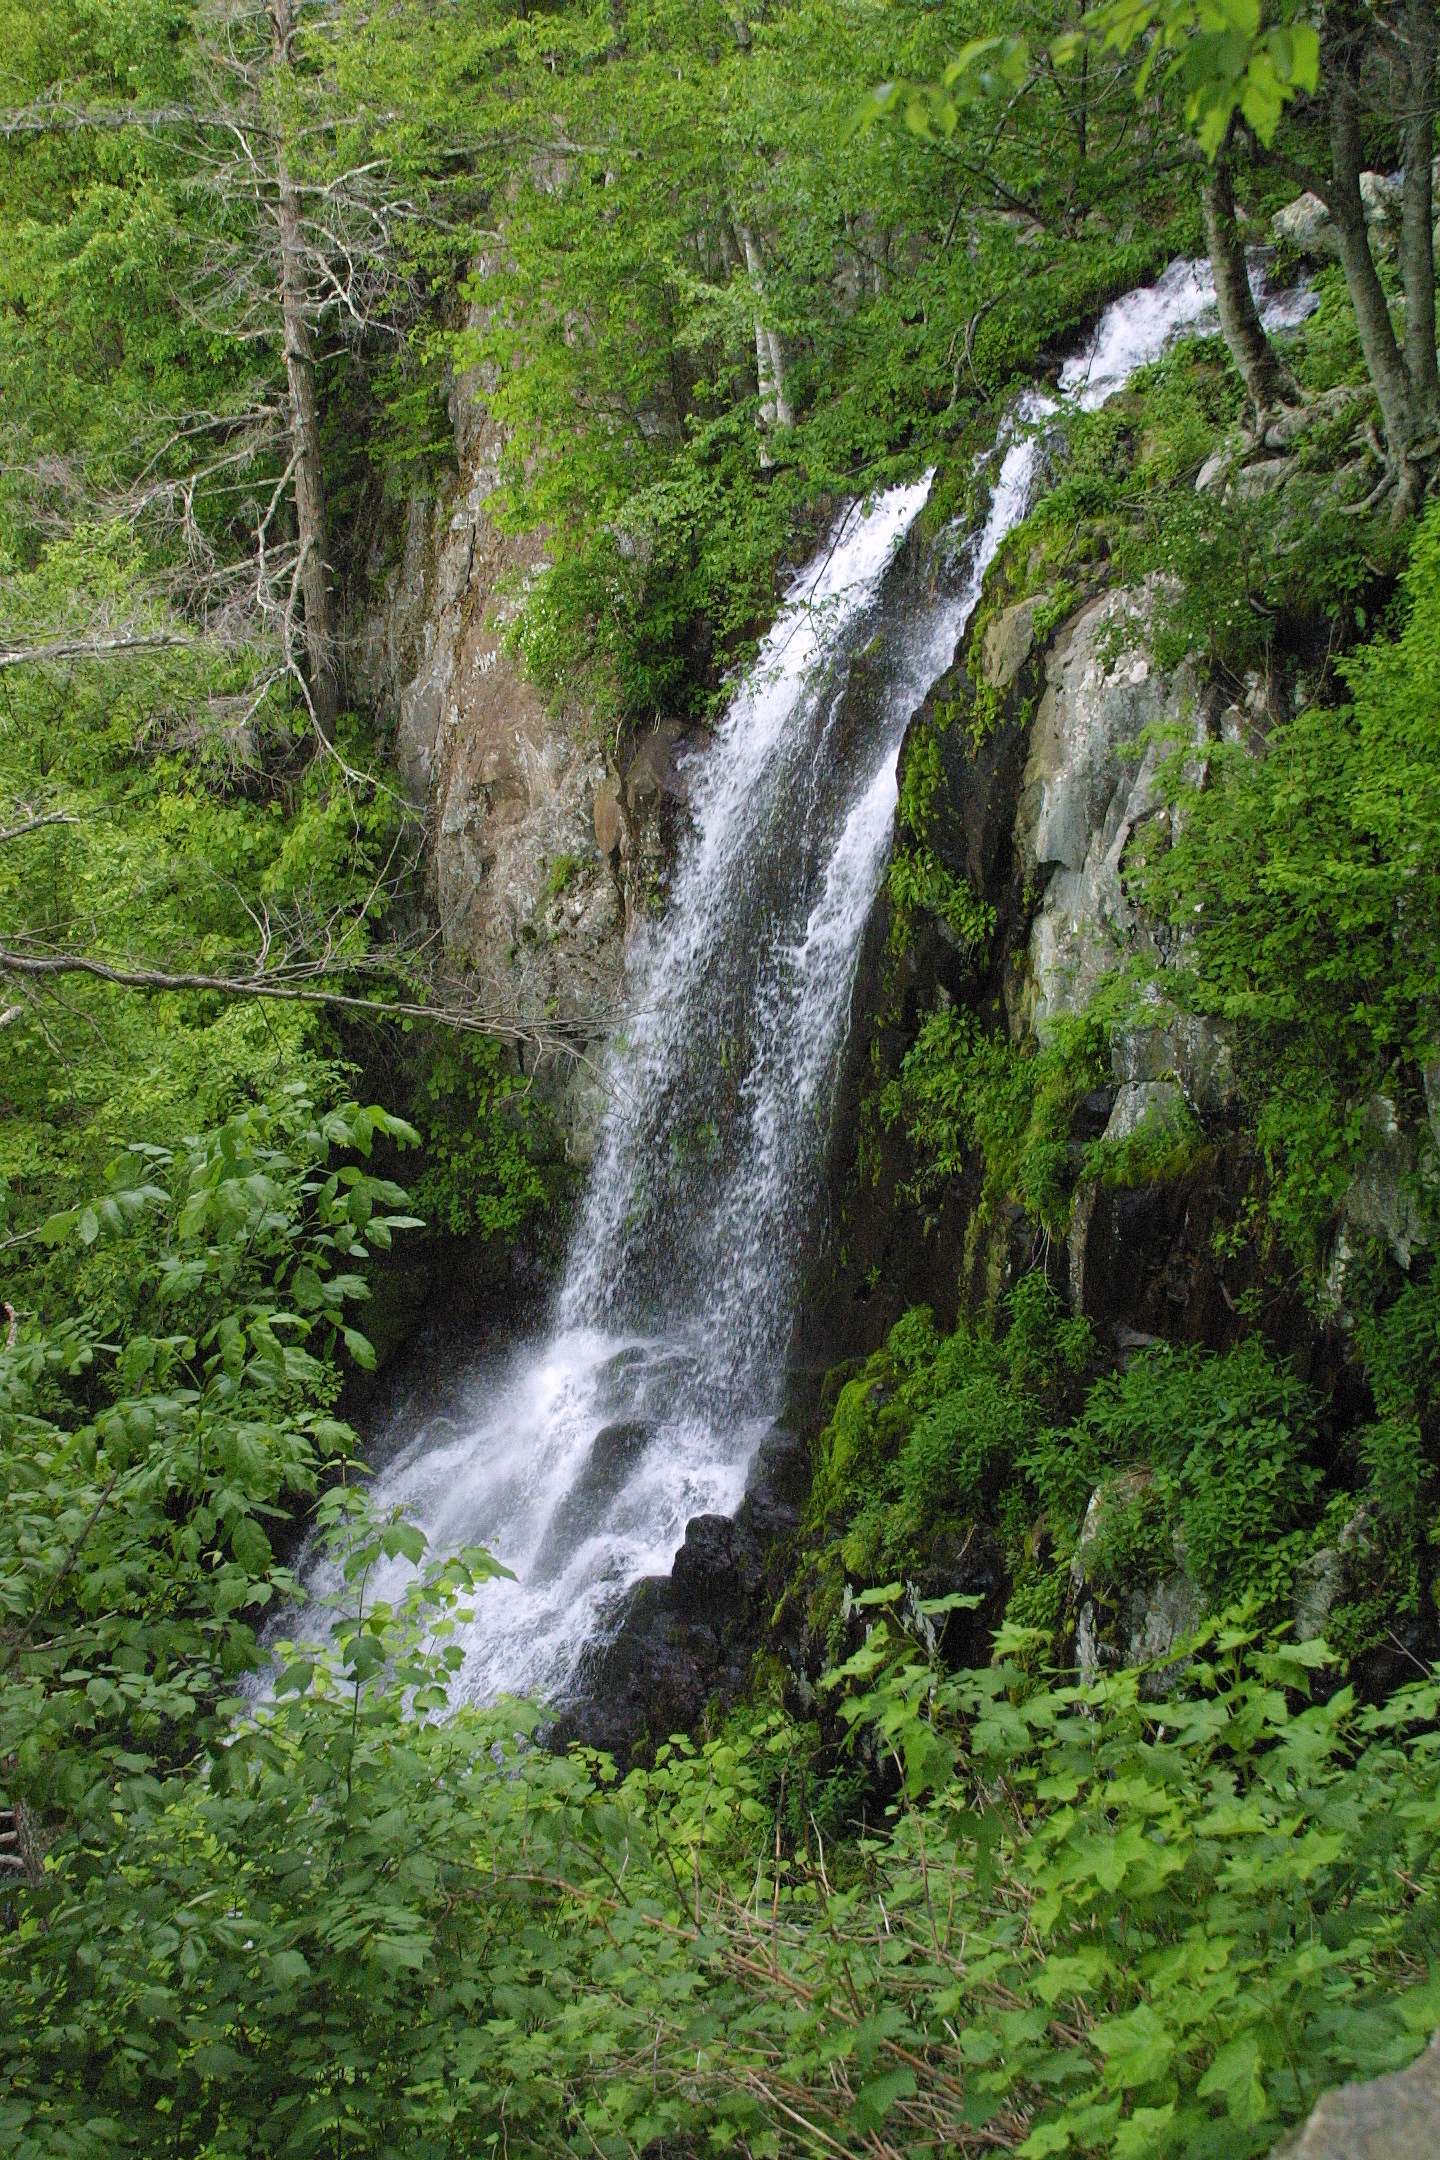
[[579, 1458]]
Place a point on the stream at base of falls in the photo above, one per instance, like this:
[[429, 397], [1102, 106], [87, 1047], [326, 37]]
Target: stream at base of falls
[[578, 1457]]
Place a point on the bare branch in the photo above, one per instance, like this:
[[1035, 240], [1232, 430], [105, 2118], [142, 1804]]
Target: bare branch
[[33, 824], [93, 648], [275, 986], [53, 116]]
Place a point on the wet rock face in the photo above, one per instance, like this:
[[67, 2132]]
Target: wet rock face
[[1381, 1206], [527, 903], [684, 1642], [1143, 1626], [1085, 797], [1039, 819], [542, 857], [651, 815], [615, 1455]]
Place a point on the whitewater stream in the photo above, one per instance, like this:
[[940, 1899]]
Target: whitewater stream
[[580, 1456]]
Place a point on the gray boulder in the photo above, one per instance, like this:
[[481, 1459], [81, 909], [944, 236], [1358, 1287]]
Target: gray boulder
[[1396, 2117]]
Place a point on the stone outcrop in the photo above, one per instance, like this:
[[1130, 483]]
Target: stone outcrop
[[1386, 2118], [682, 1641], [521, 892], [1306, 226], [1143, 1626], [540, 855], [1085, 796], [1042, 819]]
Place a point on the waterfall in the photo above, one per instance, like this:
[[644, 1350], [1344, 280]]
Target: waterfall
[[581, 1455]]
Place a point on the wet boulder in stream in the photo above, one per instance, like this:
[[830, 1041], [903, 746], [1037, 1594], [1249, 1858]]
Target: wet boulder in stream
[[614, 1458]]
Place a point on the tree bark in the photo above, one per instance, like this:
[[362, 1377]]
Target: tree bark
[[275, 988], [1268, 382], [1384, 360], [775, 407], [1417, 214], [100, 647], [311, 519]]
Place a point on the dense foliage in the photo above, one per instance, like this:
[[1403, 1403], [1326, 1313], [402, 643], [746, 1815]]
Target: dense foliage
[[1307, 879], [974, 1872], [1086, 1925]]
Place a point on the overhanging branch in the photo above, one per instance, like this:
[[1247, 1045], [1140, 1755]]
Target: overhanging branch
[[93, 648], [549, 1034]]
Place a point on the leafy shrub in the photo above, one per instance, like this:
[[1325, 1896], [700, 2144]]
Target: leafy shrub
[[1228, 1439], [964, 1094], [1090, 1926], [1308, 881], [930, 1433], [1134, 1540], [959, 1448], [145, 1469], [919, 884], [493, 1159]]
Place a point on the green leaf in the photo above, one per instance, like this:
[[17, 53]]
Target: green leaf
[[1235, 2075], [403, 1540], [360, 1348], [875, 2099], [1138, 2137]]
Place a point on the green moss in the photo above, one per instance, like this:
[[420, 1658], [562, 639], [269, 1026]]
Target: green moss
[[560, 876], [1167, 1145]]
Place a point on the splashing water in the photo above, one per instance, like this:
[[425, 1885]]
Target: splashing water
[[579, 1458]]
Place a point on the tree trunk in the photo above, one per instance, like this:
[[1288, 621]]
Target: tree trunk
[[775, 407], [1268, 382], [1417, 216], [311, 521], [1399, 413]]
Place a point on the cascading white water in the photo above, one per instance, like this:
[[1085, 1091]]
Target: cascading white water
[[582, 1455]]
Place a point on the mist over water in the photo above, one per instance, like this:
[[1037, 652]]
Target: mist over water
[[580, 1457]]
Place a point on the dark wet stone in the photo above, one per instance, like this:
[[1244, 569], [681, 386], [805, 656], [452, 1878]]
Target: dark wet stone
[[614, 1455], [711, 1567], [644, 1381], [681, 1643], [1091, 1115]]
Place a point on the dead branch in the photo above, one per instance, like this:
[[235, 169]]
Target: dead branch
[[273, 985], [92, 648]]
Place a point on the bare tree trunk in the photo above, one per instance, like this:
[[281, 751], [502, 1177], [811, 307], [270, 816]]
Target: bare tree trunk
[[1417, 214], [775, 408], [1384, 360], [1268, 382], [311, 521]]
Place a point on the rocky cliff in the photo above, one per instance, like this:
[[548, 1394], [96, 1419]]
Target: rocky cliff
[[1040, 754], [546, 840], [1033, 794]]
